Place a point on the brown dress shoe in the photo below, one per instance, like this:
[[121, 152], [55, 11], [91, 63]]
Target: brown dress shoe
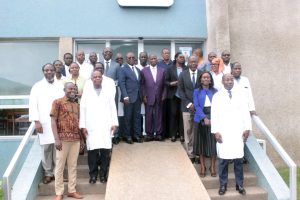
[[75, 195], [59, 197], [47, 179]]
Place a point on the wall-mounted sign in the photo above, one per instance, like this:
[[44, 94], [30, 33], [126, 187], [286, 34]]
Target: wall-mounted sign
[[146, 3]]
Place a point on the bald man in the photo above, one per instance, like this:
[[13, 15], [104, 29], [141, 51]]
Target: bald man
[[85, 69], [231, 124], [188, 82]]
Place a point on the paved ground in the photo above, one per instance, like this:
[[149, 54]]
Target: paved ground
[[155, 170]]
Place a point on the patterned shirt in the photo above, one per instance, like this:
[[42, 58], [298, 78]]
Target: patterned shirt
[[66, 114]]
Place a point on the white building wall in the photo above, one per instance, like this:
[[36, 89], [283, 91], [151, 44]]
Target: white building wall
[[265, 37]]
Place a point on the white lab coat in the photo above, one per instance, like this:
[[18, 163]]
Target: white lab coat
[[85, 70], [98, 114], [244, 84], [41, 98], [230, 118]]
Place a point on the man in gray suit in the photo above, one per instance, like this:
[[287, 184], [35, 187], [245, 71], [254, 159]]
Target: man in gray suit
[[188, 82], [110, 66], [111, 69]]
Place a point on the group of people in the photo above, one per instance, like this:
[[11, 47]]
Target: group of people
[[207, 105]]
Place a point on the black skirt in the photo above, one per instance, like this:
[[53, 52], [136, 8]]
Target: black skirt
[[204, 141]]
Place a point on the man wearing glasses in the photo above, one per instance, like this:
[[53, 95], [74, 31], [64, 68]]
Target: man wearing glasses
[[129, 82]]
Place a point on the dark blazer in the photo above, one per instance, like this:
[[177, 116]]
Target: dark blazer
[[129, 84], [112, 70], [154, 91], [186, 89], [171, 76], [63, 71]]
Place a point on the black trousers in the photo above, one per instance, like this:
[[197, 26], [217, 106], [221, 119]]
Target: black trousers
[[238, 171], [93, 157], [175, 120], [166, 118]]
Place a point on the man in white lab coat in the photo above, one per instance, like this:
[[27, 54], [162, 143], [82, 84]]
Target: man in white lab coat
[[42, 94], [244, 84], [99, 121], [231, 124]]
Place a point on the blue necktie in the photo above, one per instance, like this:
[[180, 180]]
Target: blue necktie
[[193, 79], [229, 93]]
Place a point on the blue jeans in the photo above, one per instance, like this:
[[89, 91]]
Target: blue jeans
[[238, 171]]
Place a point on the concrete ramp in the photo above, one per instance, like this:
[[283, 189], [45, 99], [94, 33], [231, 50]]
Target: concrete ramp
[[153, 170]]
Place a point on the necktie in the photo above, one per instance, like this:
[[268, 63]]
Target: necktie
[[106, 67], [229, 93], [134, 71], [193, 79]]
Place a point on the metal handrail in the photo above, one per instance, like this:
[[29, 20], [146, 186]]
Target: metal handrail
[[7, 186], [287, 159]]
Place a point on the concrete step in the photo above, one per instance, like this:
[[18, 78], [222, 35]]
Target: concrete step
[[82, 172], [252, 193], [86, 197], [230, 167], [82, 159], [83, 187], [213, 182]]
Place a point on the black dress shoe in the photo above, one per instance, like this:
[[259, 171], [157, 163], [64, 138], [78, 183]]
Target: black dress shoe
[[103, 179], [245, 161], [93, 180], [192, 160], [197, 160], [181, 139], [173, 139], [222, 190], [115, 140], [137, 139], [159, 138], [148, 139], [129, 141], [241, 190]]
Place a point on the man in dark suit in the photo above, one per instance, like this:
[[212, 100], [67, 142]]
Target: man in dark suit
[[154, 93], [226, 60], [111, 69], [129, 82], [68, 59], [175, 121], [188, 81]]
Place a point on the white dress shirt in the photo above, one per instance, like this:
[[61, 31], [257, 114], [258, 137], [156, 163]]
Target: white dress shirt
[[195, 74], [105, 64], [153, 72], [67, 70], [134, 70], [227, 69], [218, 85]]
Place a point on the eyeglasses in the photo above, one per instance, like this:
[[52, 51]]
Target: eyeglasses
[[119, 58], [131, 57], [226, 54]]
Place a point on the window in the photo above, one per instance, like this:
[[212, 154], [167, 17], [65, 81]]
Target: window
[[21, 64], [155, 47], [91, 46], [124, 46]]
